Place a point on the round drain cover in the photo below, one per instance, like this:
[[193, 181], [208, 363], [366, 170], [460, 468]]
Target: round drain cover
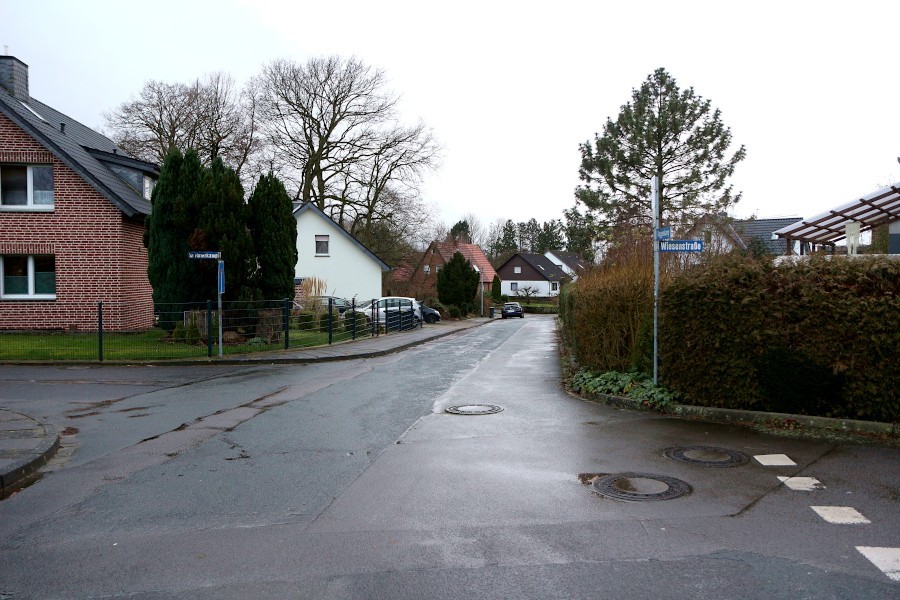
[[640, 486], [707, 456], [474, 409]]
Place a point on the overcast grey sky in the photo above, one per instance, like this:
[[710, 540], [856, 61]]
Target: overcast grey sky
[[512, 88]]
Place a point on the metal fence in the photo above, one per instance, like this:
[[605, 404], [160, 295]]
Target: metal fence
[[188, 330]]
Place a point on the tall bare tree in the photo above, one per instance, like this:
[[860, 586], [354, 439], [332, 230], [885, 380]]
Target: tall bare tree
[[338, 140], [210, 116]]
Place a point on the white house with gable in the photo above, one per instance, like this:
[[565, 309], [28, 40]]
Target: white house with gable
[[326, 251]]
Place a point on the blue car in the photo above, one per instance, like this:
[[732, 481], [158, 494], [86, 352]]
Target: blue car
[[512, 309]]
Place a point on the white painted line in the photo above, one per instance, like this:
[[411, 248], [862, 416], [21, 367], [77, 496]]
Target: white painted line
[[886, 559], [802, 484], [840, 515], [774, 460]]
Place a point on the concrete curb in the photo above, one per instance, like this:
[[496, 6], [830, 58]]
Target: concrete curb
[[31, 459], [749, 417]]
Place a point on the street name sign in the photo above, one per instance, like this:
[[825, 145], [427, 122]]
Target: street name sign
[[680, 245], [664, 233], [204, 254]]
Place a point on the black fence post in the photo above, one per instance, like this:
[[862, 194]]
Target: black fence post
[[100, 330], [287, 323], [374, 320], [209, 331], [353, 312], [330, 320]]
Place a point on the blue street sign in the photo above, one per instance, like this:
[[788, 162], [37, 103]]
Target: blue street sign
[[221, 276], [680, 245], [204, 254], [664, 233]]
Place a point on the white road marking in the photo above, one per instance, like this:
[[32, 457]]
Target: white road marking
[[886, 559], [840, 515], [774, 460], [802, 484]]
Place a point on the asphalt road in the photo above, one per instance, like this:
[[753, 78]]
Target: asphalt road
[[348, 480]]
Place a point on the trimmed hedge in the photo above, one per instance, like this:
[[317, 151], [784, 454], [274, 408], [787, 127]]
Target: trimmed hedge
[[816, 338]]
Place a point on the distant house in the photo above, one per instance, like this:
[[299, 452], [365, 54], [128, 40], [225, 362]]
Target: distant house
[[72, 210], [423, 279], [532, 274], [325, 250], [723, 234], [571, 264]]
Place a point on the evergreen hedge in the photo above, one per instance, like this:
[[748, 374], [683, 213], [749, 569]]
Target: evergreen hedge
[[818, 338]]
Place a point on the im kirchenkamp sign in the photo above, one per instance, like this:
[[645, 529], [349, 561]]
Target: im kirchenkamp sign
[[681, 245]]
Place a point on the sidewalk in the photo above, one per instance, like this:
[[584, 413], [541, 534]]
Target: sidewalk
[[26, 444]]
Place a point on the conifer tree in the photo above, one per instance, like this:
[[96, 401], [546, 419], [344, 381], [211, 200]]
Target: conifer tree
[[222, 226], [274, 232], [457, 282], [169, 269], [496, 291], [667, 132]]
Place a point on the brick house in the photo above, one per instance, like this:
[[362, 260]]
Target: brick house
[[72, 209], [423, 278]]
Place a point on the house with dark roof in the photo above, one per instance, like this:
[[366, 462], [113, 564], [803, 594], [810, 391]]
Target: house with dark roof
[[723, 234], [326, 251], [423, 278], [72, 210], [531, 275], [571, 264]]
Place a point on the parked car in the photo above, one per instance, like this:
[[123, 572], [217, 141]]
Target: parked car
[[512, 309], [430, 315], [394, 312], [341, 304]]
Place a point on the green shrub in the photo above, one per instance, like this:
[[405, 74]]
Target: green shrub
[[819, 337], [634, 385], [305, 321], [455, 313]]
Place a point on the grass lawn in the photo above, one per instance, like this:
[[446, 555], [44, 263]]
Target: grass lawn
[[153, 344]]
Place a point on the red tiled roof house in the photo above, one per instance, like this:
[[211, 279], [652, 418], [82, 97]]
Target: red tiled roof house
[[72, 210], [423, 279]]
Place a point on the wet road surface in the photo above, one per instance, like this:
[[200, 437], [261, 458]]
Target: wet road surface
[[349, 480]]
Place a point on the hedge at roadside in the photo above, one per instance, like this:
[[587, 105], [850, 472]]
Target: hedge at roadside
[[817, 338]]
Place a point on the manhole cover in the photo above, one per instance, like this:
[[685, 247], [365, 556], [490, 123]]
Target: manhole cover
[[640, 486], [474, 409], [707, 456]]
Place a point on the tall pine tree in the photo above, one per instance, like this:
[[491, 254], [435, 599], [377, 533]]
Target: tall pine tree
[[666, 132], [274, 232]]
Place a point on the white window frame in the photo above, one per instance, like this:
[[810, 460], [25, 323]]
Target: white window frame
[[30, 206], [31, 295], [517, 270], [427, 269], [319, 239], [554, 286], [514, 286]]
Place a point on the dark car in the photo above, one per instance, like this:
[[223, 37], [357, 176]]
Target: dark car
[[512, 309], [430, 315]]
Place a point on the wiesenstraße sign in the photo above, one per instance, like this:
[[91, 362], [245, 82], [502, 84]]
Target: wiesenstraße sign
[[681, 245], [204, 254]]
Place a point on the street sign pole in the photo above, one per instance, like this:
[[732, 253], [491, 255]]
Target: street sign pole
[[654, 190], [221, 290]]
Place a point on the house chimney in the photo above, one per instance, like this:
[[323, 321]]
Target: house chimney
[[14, 77]]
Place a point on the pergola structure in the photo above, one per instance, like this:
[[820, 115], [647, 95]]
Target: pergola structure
[[878, 208]]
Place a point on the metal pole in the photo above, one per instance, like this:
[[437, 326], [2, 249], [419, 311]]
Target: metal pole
[[330, 323], [220, 289], [100, 330], [353, 314], [209, 338], [287, 323], [654, 187]]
